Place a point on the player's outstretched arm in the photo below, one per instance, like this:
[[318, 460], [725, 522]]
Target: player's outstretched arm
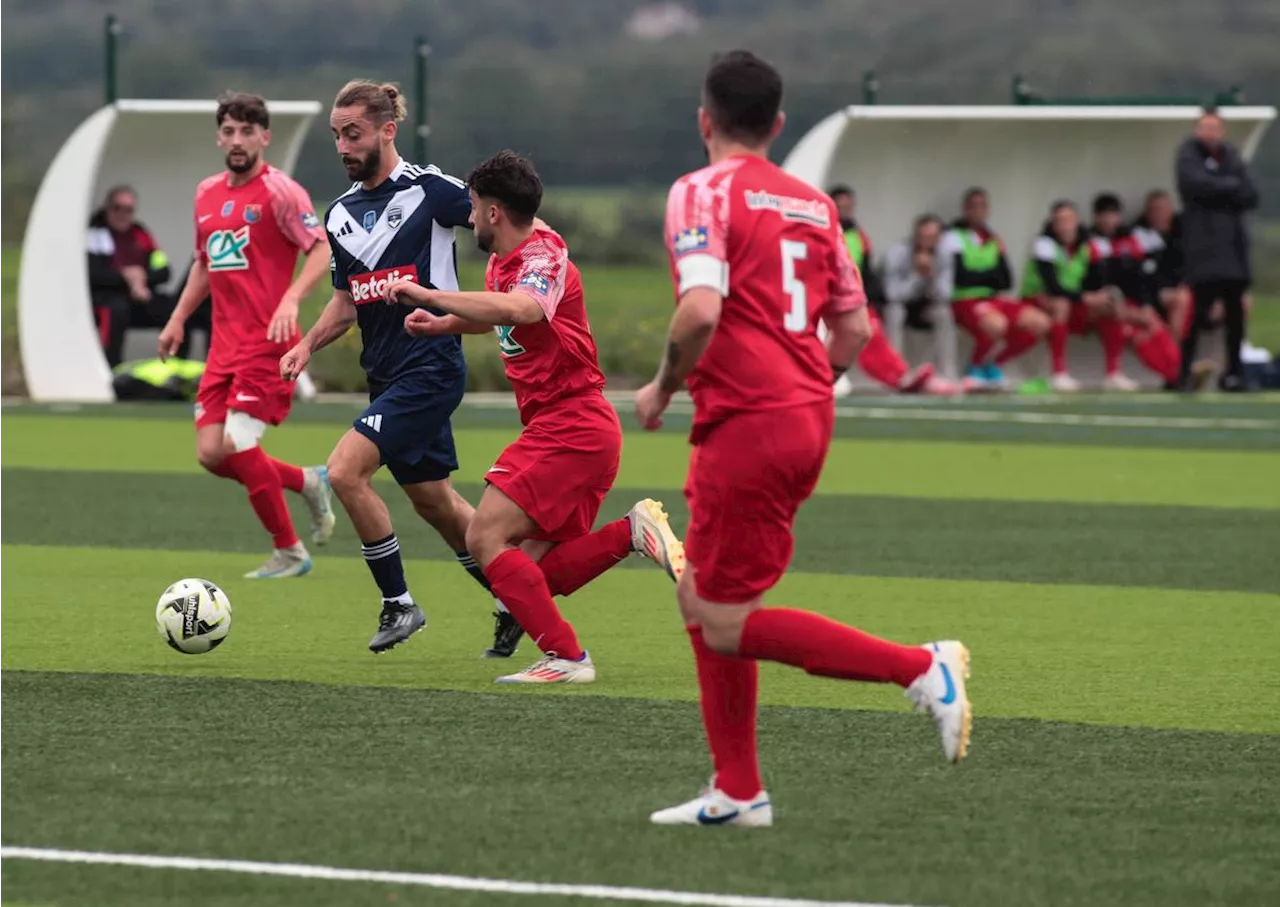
[[193, 293], [421, 323], [477, 307]]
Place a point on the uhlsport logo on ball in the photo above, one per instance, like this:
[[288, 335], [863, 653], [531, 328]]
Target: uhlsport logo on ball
[[193, 616]]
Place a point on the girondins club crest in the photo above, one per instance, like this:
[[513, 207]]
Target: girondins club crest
[[395, 214]]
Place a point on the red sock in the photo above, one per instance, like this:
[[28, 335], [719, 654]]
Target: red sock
[[827, 648], [881, 361], [982, 346], [291, 476], [1017, 342], [1058, 347], [519, 584], [571, 565], [729, 686], [1160, 353], [253, 469], [1113, 336]]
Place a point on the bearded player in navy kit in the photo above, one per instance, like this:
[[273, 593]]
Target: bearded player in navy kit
[[395, 223]]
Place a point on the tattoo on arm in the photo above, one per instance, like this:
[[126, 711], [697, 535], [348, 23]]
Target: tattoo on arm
[[666, 378]]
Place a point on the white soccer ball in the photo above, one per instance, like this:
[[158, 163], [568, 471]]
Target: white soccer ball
[[193, 616]]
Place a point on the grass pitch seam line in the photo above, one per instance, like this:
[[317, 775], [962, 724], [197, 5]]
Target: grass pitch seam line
[[941, 414], [423, 880]]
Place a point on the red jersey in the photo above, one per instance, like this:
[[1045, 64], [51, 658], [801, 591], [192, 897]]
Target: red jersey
[[249, 238], [555, 358], [772, 246]]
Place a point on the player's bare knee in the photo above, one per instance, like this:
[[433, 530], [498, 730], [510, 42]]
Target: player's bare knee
[[345, 478], [993, 324], [485, 540], [210, 456], [1035, 322], [722, 627]]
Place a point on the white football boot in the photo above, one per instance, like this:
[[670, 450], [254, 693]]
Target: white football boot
[[284, 562], [1063, 383], [940, 691], [1119, 381], [551, 668], [714, 807], [318, 494], [652, 537]]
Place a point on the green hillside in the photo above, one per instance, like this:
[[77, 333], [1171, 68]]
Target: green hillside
[[567, 81]]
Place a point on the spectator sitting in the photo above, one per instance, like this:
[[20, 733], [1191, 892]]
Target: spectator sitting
[[125, 270], [859, 243], [975, 275], [1125, 258], [1172, 298], [879, 359], [914, 294]]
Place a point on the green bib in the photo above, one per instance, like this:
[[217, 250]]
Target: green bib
[[853, 239], [156, 373], [977, 258], [1071, 271]]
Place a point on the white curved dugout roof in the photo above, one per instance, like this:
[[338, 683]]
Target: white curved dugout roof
[[905, 160], [162, 149]]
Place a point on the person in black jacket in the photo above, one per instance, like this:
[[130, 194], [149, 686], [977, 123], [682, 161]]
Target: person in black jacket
[[126, 270], [1217, 192]]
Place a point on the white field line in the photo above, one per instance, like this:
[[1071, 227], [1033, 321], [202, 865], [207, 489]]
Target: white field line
[[424, 880]]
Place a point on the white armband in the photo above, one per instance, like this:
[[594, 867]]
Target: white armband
[[702, 271]]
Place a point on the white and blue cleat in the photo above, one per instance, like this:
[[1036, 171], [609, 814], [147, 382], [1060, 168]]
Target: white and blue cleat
[[318, 494], [941, 692], [715, 807], [283, 563]]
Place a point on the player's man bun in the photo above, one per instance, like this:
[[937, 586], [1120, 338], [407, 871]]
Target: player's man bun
[[382, 101], [398, 107]]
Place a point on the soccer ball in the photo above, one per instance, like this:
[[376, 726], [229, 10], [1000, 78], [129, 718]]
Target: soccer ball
[[193, 616]]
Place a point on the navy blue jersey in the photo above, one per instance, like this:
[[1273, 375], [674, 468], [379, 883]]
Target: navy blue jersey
[[401, 228]]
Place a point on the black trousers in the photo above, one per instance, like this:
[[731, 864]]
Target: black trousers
[[1231, 292], [116, 314]]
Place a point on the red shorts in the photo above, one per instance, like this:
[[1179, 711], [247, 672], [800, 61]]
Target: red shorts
[[562, 466], [747, 479], [254, 388], [968, 312], [1083, 322]]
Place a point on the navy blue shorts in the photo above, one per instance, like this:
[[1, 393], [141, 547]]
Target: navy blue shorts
[[408, 420]]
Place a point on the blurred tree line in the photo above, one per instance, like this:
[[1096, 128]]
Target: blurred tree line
[[604, 93]]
